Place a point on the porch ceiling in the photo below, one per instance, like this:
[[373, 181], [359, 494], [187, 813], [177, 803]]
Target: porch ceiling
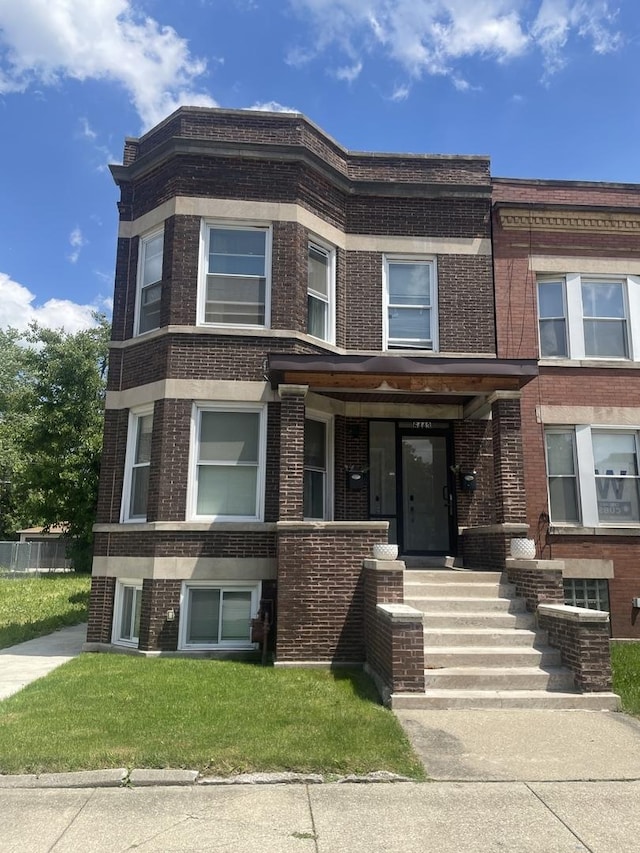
[[393, 374]]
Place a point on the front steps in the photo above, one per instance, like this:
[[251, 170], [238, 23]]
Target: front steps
[[482, 649]]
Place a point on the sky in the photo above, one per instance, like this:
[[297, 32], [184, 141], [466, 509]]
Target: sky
[[547, 88]]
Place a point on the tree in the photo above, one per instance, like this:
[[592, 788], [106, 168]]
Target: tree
[[52, 420]]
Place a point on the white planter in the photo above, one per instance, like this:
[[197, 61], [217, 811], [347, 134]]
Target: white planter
[[385, 552], [523, 549]]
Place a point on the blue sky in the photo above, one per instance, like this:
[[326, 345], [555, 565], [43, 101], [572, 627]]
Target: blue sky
[[547, 88]]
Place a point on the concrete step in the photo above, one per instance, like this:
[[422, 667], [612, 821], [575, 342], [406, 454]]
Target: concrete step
[[484, 636], [478, 619], [459, 590], [499, 678], [443, 604], [454, 576], [490, 656], [438, 700]]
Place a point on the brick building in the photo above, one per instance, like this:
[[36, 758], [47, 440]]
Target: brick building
[[567, 273], [306, 363]]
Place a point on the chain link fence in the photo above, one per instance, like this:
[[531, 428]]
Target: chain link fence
[[29, 558]]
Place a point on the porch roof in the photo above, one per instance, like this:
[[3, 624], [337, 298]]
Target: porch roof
[[392, 374]]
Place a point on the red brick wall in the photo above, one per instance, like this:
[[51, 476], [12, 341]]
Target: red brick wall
[[101, 610], [584, 649], [510, 499], [157, 632], [178, 543]]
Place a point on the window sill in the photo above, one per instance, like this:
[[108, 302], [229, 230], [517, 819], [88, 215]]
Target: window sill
[[604, 363], [557, 530]]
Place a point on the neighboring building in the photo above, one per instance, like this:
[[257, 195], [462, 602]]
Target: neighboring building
[[304, 355], [567, 272]]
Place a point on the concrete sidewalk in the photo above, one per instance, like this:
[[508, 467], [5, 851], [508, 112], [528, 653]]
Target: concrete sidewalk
[[440, 817], [24, 663]]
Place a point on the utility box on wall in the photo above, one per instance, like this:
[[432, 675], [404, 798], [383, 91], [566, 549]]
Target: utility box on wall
[[356, 481], [468, 479]]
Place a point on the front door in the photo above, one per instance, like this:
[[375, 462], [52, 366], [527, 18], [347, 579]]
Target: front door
[[410, 483]]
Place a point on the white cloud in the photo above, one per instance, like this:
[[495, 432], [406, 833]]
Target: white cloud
[[45, 41], [271, 107], [86, 130], [76, 241], [17, 309], [433, 36], [348, 72], [400, 93]]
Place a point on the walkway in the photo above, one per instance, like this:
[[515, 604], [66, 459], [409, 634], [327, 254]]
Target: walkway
[[22, 664]]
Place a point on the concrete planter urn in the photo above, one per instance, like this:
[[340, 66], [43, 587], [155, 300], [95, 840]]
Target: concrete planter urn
[[523, 549], [382, 551]]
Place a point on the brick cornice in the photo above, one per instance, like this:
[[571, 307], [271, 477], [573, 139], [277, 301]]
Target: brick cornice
[[609, 222]]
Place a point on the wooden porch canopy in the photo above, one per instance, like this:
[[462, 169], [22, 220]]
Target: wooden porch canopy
[[385, 377], [401, 373]]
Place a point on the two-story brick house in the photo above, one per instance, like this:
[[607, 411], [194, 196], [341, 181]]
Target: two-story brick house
[[567, 270], [304, 363]]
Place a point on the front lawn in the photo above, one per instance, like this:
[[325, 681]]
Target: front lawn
[[625, 660], [219, 717], [33, 606]]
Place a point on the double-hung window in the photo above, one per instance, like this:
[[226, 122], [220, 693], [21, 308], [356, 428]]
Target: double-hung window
[[217, 615], [228, 463], [138, 463], [149, 282], [317, 468], [320, 292], [237, 271], [126, 620], [593, 476], [583, 317], [411, 303]]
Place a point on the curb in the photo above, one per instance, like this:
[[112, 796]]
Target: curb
[[141, 778]]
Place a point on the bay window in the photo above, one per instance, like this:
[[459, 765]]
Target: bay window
[[317, 454], [237, 271], [227, 464], [137, 466], [149, 282]]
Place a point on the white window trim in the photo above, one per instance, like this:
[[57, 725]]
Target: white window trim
[[116, 639], [230, 586], [142, 243], [192, 495], [585, 474], [330, 251], [415, 259], [132, 437], [328, 420], [203, 262], [574, 325]]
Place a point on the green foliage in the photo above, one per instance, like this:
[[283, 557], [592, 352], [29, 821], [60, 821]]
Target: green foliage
[[51, 417], [33, 606], [219, 717], [625, 660]]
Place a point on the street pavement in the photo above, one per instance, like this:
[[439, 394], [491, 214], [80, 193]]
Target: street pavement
[[503, 781]]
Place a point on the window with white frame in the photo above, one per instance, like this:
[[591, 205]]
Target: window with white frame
[[149, 281], [583, 317], [228, 463], [237, 273], [317, 466], [587, 592], [126, 617], [320, 291], [410, 317], [593, 476], [217, 615], [138, 463]]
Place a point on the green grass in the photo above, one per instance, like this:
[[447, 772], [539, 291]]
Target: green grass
[[219, 717], [34, 606], [625, 660]]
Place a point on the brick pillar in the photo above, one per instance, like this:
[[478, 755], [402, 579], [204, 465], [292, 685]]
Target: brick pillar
[[508, 467], [291, 451]]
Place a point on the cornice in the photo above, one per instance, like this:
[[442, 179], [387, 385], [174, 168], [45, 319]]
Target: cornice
[[603, 222]]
